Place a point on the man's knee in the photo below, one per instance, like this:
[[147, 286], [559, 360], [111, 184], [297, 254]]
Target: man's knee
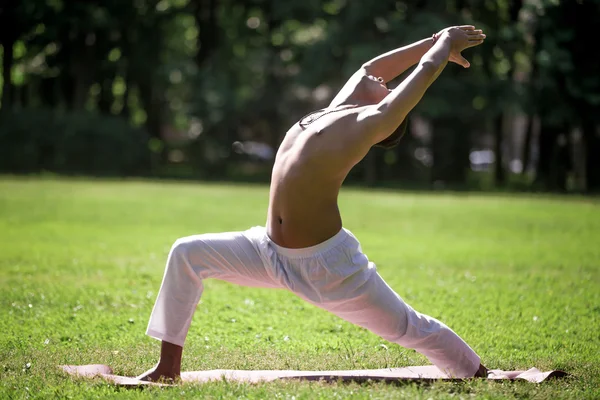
[[206, 255], [189, 246], [181, 261], [180, 248]]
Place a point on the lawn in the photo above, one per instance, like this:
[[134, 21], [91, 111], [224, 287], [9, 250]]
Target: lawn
[[81, 262]]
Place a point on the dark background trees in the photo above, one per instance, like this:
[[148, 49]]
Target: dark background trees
[[207, 88]]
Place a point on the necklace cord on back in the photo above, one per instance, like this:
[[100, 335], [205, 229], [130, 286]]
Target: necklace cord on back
[[323, 112]]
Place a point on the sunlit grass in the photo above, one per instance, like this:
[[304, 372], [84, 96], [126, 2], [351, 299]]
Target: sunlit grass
[[81, 262]]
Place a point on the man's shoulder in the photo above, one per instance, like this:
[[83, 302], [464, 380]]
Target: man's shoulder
[[338, 135]]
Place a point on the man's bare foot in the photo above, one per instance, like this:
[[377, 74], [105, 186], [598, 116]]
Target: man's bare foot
[[168, 369], [482, 372], [160, 374]]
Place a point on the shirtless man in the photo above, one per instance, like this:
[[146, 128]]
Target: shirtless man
[[304, 247]]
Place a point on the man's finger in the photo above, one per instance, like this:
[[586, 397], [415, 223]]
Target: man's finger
[[473, 43], [460, 60], [476, 37], [467, 27]]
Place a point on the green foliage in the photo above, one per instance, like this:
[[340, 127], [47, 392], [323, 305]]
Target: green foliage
[[23, 138], [81, 263], [71, 143], [248, 70]]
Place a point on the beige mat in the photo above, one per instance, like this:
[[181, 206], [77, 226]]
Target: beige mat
[[421, 373]]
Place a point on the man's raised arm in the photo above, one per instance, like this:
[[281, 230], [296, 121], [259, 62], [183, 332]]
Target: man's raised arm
[[393, 63], [383, 118]]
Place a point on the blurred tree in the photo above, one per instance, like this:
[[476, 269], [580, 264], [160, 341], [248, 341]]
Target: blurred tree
[[218, 71], [8, 37], [17, 20], [566, 89], [505, 38], [453, 103]]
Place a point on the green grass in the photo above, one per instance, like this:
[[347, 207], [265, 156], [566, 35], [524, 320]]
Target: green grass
[[81, 262]]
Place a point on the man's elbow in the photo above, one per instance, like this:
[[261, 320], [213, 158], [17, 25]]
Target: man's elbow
[[428, 68], [368, 69]]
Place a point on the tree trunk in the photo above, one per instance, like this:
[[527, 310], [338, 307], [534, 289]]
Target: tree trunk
[[106, 98], [562, 166], [499, 173], [24, 95], [527, 144], [152, 109], [125, 111], [205, 13], [8, 35], [370, 169], [80, 92], [554, 160], [7, 63], [591, 136], [407, 168], [546, 141], [151, 103], [450, 147], [127, 72], [67, 87]]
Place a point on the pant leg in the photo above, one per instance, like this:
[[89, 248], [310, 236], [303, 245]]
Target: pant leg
[[375, 306], [352, 289], [226, 256]]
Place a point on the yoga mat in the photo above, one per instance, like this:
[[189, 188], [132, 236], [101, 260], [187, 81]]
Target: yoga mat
[[420, 373]]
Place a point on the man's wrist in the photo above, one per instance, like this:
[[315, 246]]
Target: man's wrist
[[445, 38], [440, 36]]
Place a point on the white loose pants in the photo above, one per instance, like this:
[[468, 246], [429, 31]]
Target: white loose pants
[[334, 275]]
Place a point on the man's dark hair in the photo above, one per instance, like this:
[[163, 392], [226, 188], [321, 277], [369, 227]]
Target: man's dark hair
[[393, 140]]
